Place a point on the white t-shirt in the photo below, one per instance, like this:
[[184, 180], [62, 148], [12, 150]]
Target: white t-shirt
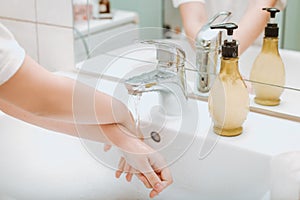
[[236, 7], [11, 55]]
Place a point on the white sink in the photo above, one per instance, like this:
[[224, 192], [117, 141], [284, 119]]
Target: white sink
[[41, 164]]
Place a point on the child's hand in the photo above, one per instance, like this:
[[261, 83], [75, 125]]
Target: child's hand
[[152, 170]]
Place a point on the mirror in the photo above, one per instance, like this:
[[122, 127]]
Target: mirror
[[289, 39], [90, 30]]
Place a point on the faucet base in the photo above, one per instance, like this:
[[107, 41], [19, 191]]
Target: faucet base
[[228, 132], [172, 99]]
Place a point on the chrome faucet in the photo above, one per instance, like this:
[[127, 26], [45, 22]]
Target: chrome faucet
[[168, 78], [170, 68], [208, 43]]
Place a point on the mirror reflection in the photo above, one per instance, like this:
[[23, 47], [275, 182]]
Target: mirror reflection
[[104, 23]]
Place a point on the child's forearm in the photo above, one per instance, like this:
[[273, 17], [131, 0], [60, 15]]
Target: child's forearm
[[115, 134], [44, 94], [90, 132]]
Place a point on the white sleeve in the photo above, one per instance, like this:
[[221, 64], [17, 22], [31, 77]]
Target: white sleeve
[[11, 55], [177, 3]]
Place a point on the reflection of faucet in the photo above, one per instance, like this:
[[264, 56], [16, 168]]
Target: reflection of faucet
[[208, 44], [168, 78]]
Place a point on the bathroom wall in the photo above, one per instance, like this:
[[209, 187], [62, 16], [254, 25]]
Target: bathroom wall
[[292, 28], [150, 13], [44, 28]]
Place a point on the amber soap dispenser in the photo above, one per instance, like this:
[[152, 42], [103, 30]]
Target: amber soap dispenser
[[228, 99], [268, 73]]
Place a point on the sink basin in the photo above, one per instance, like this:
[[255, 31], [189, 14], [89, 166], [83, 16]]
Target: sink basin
[[42, 164]]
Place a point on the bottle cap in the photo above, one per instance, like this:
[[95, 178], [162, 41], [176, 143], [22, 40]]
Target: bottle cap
[[271, 30], [230, 46]]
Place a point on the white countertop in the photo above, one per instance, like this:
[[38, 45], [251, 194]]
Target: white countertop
[[120, 17]]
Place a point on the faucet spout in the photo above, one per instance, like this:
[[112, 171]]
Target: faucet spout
[[168, 77], [154, 81]]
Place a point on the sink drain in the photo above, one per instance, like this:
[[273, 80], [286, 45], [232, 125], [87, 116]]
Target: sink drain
[[155, 136]]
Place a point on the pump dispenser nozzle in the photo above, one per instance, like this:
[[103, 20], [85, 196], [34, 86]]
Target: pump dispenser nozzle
[[271, 29], [230, 46], [272, 11]]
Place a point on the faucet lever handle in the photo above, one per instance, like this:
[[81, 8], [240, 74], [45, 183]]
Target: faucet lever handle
[[227, 26], [227, 15]]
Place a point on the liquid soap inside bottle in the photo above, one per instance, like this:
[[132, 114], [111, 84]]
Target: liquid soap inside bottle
[[229, 100]]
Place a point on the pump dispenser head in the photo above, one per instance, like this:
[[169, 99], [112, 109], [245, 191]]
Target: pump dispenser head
[[230, 46], [272, 29]]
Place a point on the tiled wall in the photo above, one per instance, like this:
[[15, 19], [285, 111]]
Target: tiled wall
[[44, 28]]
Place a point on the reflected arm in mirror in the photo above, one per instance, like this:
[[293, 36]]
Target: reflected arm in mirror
[[252, 23], [193, 16]]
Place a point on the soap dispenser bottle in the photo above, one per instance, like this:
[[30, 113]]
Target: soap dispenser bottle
[[228, 99], [268, 73], [104, 6]]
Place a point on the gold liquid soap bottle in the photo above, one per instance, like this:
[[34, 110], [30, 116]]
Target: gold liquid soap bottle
[[268, 73], [228, 99]]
